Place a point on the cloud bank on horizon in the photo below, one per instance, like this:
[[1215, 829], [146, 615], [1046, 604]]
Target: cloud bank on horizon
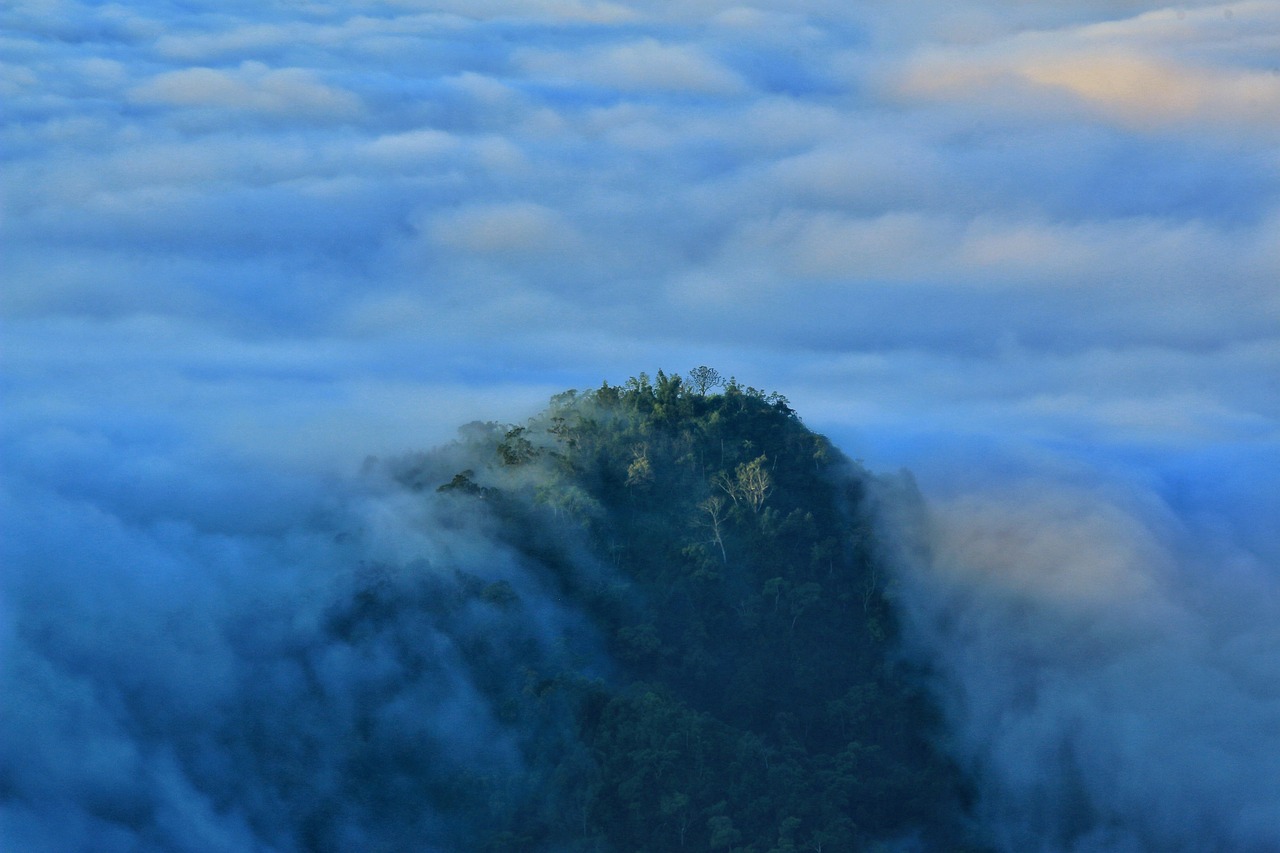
[[292, 229], [1030, 249]]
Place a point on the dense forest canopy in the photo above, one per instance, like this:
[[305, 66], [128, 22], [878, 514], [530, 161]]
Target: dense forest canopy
[[734, 684]]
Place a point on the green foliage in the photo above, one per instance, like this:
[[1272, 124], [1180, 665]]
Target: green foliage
[[756, 705]]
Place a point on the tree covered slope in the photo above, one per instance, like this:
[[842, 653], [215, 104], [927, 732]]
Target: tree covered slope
[[730, 680]]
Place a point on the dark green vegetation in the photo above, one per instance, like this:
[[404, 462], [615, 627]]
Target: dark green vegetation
[[743, 693]]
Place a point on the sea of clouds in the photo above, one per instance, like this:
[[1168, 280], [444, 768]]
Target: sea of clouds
[[1027, 250]]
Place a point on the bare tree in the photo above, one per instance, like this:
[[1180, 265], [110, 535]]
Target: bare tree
[[714, 508], [702, 379]]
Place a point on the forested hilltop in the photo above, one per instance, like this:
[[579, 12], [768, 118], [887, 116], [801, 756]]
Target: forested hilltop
[[732, 683]]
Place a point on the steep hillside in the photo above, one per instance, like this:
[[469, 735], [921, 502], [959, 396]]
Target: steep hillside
[[732, 683]]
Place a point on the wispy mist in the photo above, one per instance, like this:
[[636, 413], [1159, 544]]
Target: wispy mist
[[333, 666], [1107, 664]]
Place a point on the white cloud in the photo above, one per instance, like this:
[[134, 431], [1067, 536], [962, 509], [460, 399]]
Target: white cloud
[[567, 11], [361, 34], [253, 88], [832, 246], [1142, 91], [638, 66], [412, 147], [520, 228], [1160, 69]]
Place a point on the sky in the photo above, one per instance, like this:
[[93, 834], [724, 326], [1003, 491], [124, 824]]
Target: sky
[[1029, 251]]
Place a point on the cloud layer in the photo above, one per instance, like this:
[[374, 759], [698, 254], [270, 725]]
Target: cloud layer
[[491, 187]]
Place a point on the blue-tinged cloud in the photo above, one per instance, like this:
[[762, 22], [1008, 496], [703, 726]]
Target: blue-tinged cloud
[[940, 185], [282, 93], [201, 656], [1102, 662], [637, 66], [249, 238]]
